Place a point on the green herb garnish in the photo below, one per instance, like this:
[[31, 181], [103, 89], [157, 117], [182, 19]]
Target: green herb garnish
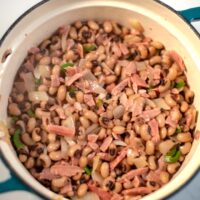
[[88, 170], [66, 65], [72, 91], [30, 113], [180, 84], [178, 130], [173, 155], [14, 119], [17, 140], [99, 103], [37, 81], [89, 47]]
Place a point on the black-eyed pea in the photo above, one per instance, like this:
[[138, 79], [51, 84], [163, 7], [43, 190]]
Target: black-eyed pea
[[19, 97], [59, 182], [69, 99], [110, 79], [61, 94], [104, 170], [93, 25], [52, 90], [30, 162], [150, 147], [118, 187], [189, 95], [56, 70], [117, 70], [118, 129], [51, 137], [155, 60], [161, 120], [92, 116], [107, 26], [165, 86], [172, 168], [73, 33], [173, 72], [152, 51], [163, 132], [152, 163], [45, 160], [45, 60], [128, 185], [79, 96], [184, 106], [74, 149], [171, 131], [157, 45], [42, 88], [126, 117], [83, 161], [36, 134], [84, 122], [31, 124], [102, 134], [143, 51], [87, 150], [82, 190], [185, 149], [26, 139], [144, 132], [164, 177], [184, 137], [55, 155], [23, 158], [169, 100], [53, 146], [14, 109]]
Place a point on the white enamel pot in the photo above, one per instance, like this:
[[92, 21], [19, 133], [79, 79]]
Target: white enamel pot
[[42, 20]]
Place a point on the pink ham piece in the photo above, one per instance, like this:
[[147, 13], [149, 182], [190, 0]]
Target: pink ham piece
[[118, 88], [92, 138], [93, 145], [64, 169], [136, 191], [118, 159], [70, 43], [153, 176], [47, 175], [130, 68], [177, 59], [138, 82], [110, 87], [61, 130], [116, 50], [55, 81], [149, 114], [136, 181], [88, 99], [100, 110], [123, 49], [154, 72], [71, 71], [67, 188], [106, 143], [103, 195], [75, 77], [105, 156], [154, 131], [136, 106], [117, 197], [170, 122], [135, 172]]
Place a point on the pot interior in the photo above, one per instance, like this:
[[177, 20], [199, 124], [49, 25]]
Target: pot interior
[[169, 29]]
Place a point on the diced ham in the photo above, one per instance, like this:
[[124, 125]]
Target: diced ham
[[70, 71], [88, 99], [136, 144], [130, 68], [123, 99], [75, 77], [132, 173], [91, 156], [105, 156], [92, 138], [117, 197], [67, 188], [116, 50], [154, 72], [177, 59], [70, 43], [64, 169], [136, 191], [100, 110], [153, 176], [138, 82], [93, 145], [61, 130], [154, 130], [74, 161], [78, 106], [136, 181], [118, 159], [136, 106], [110, 87], [123, 63], [123, 48], [170, 122], [55, 81], [197, 135], [103, 195], [47, 175], [106, 143], [149, 114], [80, 50], [118, 88]]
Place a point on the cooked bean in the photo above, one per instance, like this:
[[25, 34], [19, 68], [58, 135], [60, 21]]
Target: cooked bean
[[85, 122], [73, 33], [157, 45], [107, 26], [161, 120], [172, 168], [53, 146], [27, 139], [173, 72], [56, 70], [151, 162], [23, 158], [155, 60], [91, 116], [30, 163], [31, 124], [164, 177], [144, 132], [93, 25], [82, 189], [45, 60], [184, 106], [185, 148], [55, 155], [169, 100], [86, 151], [110, 79], [150, 147], [128, 185], [165, 86], [14, 109], [102, 133], [118, 129], [171, 131], [184, 137], [35, 135], [104, 169], [46, 161], [143, 52], [83, 161], [163, 132], [73, 150], [117, 70], [61, 93], [51, 137], [59, 182], [79, 96], [118, 187]]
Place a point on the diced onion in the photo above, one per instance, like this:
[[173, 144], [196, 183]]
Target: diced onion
[[38, 96], [160, 102], [119, 143], [87, 196], [165, 146]]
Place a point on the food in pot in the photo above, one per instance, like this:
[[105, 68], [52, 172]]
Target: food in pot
[[100, 111]]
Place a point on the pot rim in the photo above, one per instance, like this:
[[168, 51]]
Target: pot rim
[[12, 26]]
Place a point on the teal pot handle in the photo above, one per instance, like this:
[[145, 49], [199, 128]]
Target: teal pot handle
[[191, 14]]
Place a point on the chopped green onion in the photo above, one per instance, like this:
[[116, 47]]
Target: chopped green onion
[[30, 113], [88, 170], [66, 65], [17, 140], [180, 84], [99, 103], [37, 81], [72, 91], [178, 130], [173, 155], [14, 119], [89, 47]]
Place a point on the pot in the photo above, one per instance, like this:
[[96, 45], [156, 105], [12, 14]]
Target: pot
[[43, 19]]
